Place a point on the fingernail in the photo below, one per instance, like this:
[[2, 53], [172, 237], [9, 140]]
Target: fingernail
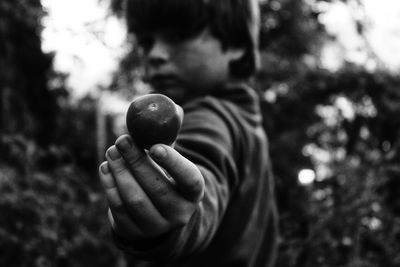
[[104, 168], [158, 152], [124, 144], [113, 153]]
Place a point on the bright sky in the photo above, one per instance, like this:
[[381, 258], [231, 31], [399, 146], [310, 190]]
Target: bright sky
[[385, 33], [88, 42], [382, 32]]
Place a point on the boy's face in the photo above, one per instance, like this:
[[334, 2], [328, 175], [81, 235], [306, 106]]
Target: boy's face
[[184, 69]]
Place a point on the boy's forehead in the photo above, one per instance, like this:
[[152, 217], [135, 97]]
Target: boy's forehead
[[172, 31], [174, 15]]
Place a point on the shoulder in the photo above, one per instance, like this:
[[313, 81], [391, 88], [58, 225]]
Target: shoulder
[[208, 107], [207, 116], [215, 113]]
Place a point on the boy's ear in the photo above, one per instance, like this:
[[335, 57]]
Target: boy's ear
[[236, 53], [245, 65]]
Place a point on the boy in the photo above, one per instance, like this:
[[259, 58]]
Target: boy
[[209, 199]]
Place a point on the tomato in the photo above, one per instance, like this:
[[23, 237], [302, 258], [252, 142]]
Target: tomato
[[153, 119]]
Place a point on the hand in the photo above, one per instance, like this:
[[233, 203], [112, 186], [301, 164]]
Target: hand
[[149, 194]]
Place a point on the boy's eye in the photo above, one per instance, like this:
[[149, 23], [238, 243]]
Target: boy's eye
[[145, 42], [174, 37]]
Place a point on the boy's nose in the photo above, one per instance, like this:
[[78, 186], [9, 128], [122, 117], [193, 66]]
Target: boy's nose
[[158, 54]]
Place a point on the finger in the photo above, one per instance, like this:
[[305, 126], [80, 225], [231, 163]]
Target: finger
[[110, 188], [136, 201], [186, 174], [148, 174], [106, 178], [123, 225]]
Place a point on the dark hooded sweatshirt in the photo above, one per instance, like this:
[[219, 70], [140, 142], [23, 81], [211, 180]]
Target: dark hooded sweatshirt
[[235, 224]]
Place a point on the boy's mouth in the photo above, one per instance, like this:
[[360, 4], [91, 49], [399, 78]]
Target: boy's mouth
[[164, 82]]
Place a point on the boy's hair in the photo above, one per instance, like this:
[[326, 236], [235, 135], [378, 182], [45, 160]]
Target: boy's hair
[[235, 23]]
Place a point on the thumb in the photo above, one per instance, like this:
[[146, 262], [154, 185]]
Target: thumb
[[188, 178]]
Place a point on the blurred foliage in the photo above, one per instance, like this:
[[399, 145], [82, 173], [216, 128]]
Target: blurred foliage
[[25, 103], [50, 217], [344, 125], [52, 209]]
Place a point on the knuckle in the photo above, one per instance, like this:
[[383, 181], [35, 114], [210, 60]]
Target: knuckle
[[138, 202], [182, 218], [136, 160], [197, 186], [161, 190], [121, 171], [157, 229], [175, 163]]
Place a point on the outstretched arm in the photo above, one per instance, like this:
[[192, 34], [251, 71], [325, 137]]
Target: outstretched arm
[[193, 195]]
